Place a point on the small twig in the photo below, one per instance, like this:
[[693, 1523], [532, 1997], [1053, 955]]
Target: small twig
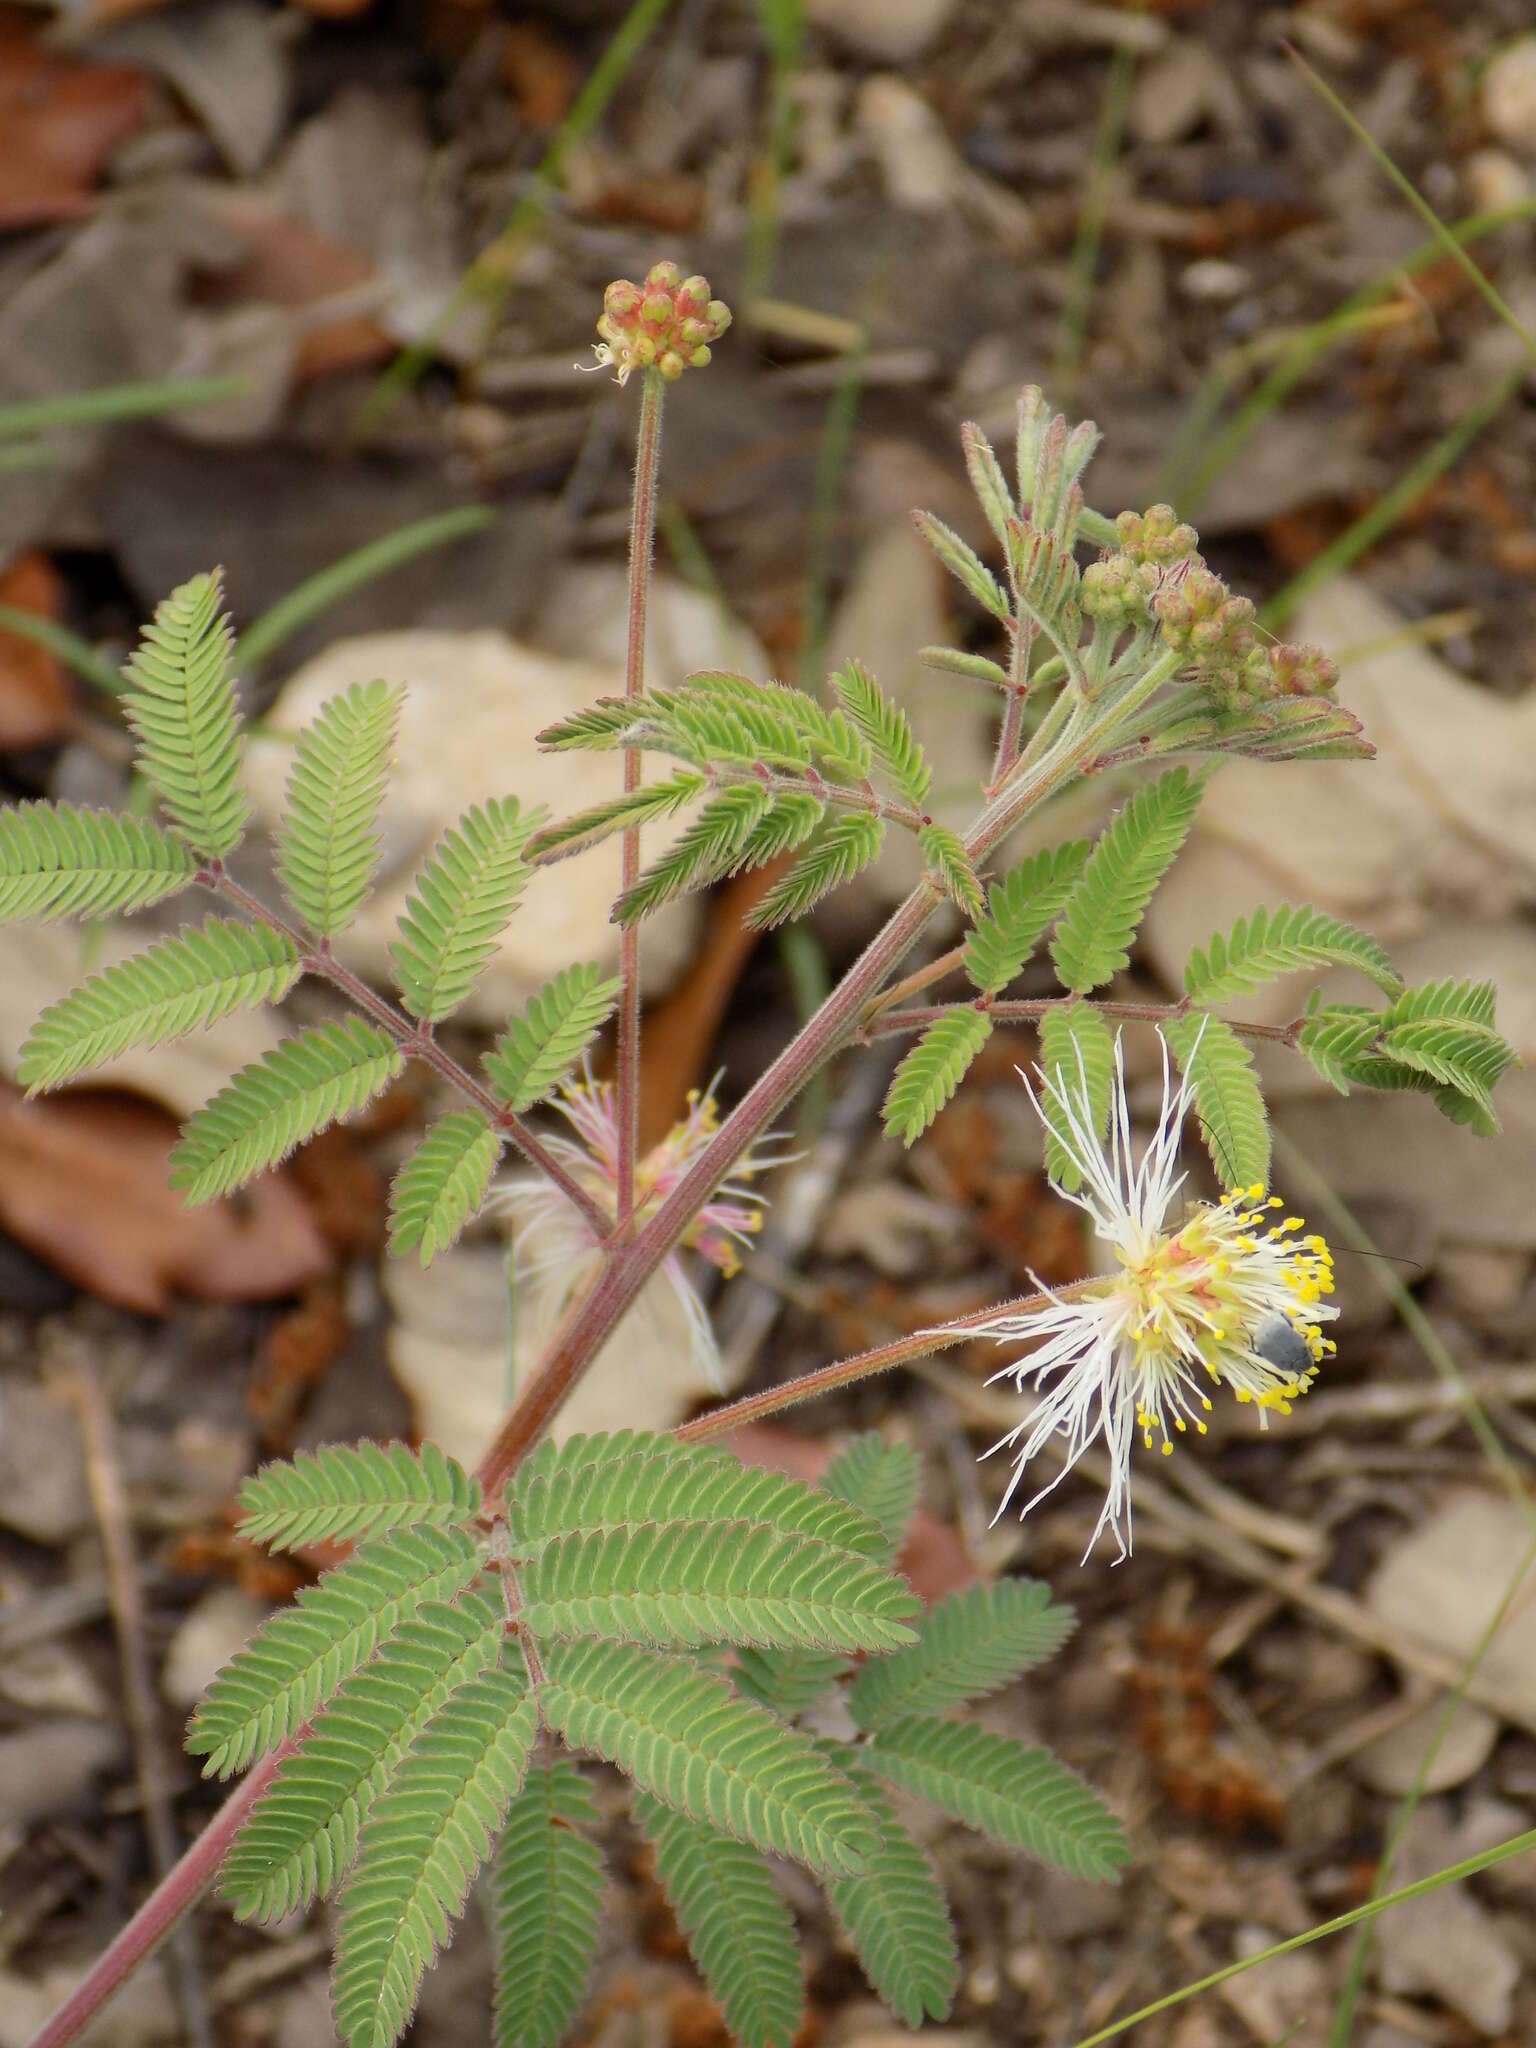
[[103, 1471]]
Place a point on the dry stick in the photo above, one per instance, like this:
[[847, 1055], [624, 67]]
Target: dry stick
[[642, 543], [103, 1472]]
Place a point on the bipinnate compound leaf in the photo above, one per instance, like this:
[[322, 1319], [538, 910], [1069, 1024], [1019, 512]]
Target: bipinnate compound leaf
[[739, 1930], [278, 1101], [180, 702], [881, 1480], [1129, 859], [884, 728], [537, 1050], [342, 1493], [422, 1846], [1018, 1796], [895, 1914], [328, 846], [183, 984], [931, 1071], [60, 860], [1078, 1053], [970, 1644], [684, 1735], [1228, 1098], [1269, 943], [546, 1895], [1445, 1032], [948, 864], [300, 1840], [680, 1584], [1019, 908], [844, 846], [274, 1685], [443, 1184], [606, 1482], [459, 905]]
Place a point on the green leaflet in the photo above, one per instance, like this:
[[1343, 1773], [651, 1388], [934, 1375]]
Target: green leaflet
[[341, 1494], [301, 1839], [180, 702], [963, 563], [590, 827], [328, 846], [970, 1644], [61, 860], [683, 1735], [738, 1928], [278, 1101], [459, 905], [680, 1584], [895, 1914], [932, 1070], [988, 481], [710, 847], [421, 1846], [537, 1050], [273, 1686], [1233, 1121], [1268, 943], [949, 864], [1022, 1797], [884, 728], [845, 845], [181, 985], [607, 1482], [443, 1184], [879, 1479], [547, 1892], [1130, 858], [1077, 1050], [1019, 908]]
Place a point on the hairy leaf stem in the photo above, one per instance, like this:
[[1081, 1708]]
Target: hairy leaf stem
[[642, 547]]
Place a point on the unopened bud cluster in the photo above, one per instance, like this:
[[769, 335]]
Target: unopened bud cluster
[[1157, 578], [668, 323]]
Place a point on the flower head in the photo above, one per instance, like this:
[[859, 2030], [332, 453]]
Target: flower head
[[1192, 1307], [553, 1249], [668, 321]]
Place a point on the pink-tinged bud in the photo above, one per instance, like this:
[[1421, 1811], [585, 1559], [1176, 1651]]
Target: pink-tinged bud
[[663, 277], [692, 295], [621, 301], [656, 309], [643, 349], [671, 365], [668, 322], [699, 357], [693, 331], [718, 314]]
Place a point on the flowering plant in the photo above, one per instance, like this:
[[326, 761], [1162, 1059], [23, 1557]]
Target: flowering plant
[[737, 1644]]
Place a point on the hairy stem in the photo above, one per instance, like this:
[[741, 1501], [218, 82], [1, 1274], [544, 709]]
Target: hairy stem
[[417, 1043], [642, 542]]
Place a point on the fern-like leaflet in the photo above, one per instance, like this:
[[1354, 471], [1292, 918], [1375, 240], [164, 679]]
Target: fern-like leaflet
[[547, 1891], [329, 843], [459, 905], [60, 860], [537, 1050], [443, 1184], [181, 705]]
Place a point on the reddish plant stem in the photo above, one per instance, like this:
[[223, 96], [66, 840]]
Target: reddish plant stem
[[642, 542], [416, 1041], [863, 1365], [172, 1897]]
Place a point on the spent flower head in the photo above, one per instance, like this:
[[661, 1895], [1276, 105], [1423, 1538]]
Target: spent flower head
[[553, 1249], [667, 322], [1225, 1295]]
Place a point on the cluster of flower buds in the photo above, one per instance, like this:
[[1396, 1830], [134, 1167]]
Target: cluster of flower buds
[[1297, 671], [1157, 537], [1118, 590], [669, 322], [1200, 618]]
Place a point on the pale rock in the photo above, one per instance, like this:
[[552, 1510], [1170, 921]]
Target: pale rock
[[208, 1635], [1441, 1584], [1212, 281], [1482, 1282], [51, 1768], [43, 960], [1494, 180], [1509, 95], [43, 1493], [474, 703], [1177, 90], [1448, 1947], [584, 615], [1284, 1996], [888, 31], [228, 61], [50, 1678], [896, 1228], [919, 166], [1391, 1764]]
